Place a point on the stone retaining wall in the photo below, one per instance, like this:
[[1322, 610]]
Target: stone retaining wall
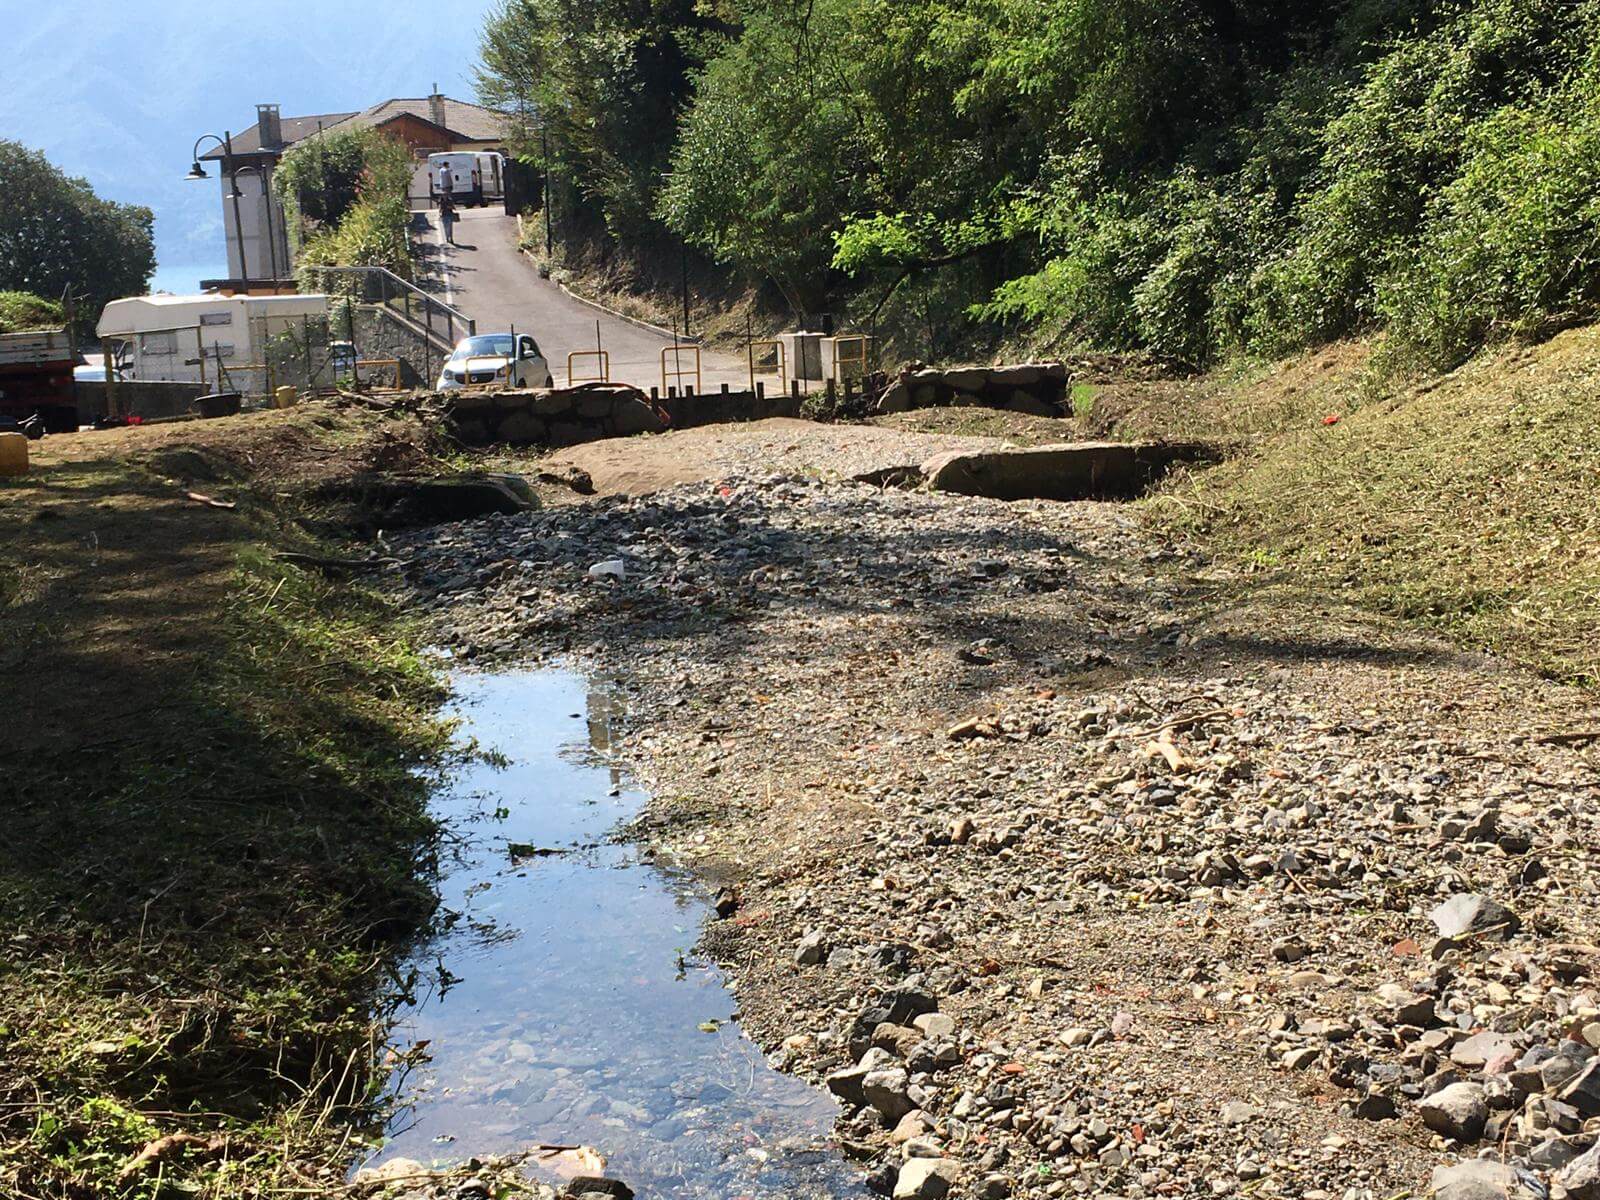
[[590, 412], [1039, 389]]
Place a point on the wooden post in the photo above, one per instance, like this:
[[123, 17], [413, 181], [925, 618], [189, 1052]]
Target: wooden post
[[200, 345], [112, 409], [761, 390]]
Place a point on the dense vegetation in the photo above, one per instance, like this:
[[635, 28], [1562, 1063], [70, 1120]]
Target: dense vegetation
[[22, 311], [347, 196], [1192, 177], [56, 235]]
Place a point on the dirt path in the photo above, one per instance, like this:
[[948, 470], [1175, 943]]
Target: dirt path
[[1163, 861], [640, 465]]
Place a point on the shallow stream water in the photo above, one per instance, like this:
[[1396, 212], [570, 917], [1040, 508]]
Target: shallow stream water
[[562, 1003]]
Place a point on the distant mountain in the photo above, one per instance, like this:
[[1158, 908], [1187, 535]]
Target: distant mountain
[[118, 92]]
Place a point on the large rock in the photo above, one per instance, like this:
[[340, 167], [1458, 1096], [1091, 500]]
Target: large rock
[[1071, 471], [925, 1179], [888, 1092], [1482, 1180], [1581, 1177], [635, 416], [1469, 913], [596, 1185], [1583, 1092], [1458, 1111]]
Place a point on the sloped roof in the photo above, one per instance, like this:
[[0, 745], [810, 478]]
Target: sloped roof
[[467, 122], [295, 129]]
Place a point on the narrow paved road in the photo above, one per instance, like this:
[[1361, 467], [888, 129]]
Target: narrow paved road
[[488, 278]]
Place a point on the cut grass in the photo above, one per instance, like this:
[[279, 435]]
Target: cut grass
[[1467, 505], [218, 841]]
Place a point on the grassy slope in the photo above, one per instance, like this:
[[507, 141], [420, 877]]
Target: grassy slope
[[1470, 504], [213, 828]]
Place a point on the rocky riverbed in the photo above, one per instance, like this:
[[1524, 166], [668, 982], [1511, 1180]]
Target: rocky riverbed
[[1069, 864]]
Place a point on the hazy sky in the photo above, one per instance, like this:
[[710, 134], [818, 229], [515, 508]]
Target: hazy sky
[[118, 91]]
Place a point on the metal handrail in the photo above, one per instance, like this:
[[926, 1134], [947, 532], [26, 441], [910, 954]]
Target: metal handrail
[[676, 349], [392, 287], [602, 356]]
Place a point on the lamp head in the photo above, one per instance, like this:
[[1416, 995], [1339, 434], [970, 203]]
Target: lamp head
[[197, 171]]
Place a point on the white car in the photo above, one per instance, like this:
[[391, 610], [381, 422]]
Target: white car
[[496, 359]]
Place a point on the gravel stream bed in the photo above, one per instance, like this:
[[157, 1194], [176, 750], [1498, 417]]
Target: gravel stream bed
[[1069, 866]]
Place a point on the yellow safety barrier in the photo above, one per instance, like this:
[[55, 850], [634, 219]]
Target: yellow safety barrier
[[783, 363], [676, 350], [373, 363], [605, 367], [858, 361]]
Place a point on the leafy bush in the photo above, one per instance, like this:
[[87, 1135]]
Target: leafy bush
[[21, 311], [372, 231]]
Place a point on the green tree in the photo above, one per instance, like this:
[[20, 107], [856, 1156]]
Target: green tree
[[598, 83], [56, 234]]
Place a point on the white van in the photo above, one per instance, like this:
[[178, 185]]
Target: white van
[[465, 174], [492, 171]]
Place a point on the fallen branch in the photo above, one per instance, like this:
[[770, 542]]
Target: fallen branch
[[1568, 738], [336, 564], [1178, 723], [207, 500], [163, 1148]]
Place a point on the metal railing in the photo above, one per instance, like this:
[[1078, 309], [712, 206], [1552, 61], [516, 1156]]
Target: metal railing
[[677, 370], [443, 324], [602, 359]]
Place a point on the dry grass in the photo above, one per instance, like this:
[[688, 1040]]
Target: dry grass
[[1468, 504]]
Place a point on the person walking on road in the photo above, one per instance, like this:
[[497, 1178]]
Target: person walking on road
[[447, 216]]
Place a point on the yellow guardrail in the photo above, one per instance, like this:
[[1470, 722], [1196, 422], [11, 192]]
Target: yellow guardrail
[[676, 350], [856, 360], [605, 366], [783, 363], [374, 363]]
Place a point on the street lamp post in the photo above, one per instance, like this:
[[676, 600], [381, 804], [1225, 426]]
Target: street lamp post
[[199, 172]]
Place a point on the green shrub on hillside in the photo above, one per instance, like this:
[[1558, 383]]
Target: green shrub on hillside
[[372, 230], [21, 311], [1192, 178]]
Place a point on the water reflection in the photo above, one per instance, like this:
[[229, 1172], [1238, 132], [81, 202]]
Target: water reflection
[[561, 1005]]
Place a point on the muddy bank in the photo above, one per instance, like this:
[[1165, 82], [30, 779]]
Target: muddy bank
[[1070, 871]]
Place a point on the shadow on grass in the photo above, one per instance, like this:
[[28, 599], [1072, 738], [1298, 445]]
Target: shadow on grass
[[216, 828]]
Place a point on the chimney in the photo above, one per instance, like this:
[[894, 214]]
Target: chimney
[[436, 108], [270, 124]]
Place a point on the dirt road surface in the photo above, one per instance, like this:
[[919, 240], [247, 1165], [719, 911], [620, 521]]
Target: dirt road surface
[[486, 276]]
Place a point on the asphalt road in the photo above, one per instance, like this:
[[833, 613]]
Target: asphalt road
[[490, 280]]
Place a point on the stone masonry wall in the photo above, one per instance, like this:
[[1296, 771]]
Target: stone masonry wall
[[589, 412], [1039, 389]]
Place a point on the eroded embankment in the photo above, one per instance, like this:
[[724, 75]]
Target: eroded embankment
[[1164, 863]]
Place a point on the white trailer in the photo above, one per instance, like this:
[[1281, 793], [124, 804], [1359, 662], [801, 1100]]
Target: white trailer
[[182, 339]]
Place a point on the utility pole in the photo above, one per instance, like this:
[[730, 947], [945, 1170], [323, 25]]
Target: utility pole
[[684, 262], [544, 154]]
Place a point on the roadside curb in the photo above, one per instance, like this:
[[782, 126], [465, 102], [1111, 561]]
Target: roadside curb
[[609, 311]]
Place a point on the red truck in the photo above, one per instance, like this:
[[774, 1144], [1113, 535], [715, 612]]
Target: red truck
[[36, 378]]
